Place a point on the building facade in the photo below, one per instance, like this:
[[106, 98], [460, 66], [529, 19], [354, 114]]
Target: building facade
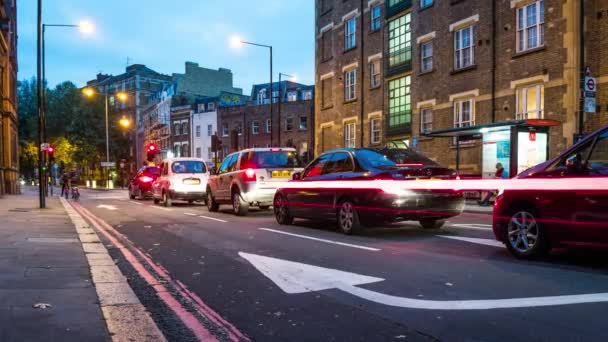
[[9, 136], [204, 126]]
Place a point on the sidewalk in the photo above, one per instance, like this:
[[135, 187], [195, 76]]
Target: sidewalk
[[473, 207], [57, 281]]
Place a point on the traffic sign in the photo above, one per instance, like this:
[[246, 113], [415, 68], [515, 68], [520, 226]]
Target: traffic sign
[[108, 164], [44, 146], [590, 85], [589, 94], [590, 105]]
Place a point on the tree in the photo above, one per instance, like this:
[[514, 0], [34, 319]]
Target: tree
[[28, 159], [64, 151]]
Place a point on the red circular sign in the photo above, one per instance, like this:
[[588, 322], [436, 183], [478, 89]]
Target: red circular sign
[[591, 84]]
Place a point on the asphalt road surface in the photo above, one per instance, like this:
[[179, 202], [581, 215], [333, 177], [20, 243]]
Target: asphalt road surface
[[248, 278]]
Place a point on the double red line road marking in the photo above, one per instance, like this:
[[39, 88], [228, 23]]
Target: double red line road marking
[[159, 279]]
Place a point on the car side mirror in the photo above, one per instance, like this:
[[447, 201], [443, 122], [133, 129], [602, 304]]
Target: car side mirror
[[296, 176], [573, 163]]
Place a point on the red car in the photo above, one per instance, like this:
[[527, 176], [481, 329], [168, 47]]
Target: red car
[[530, 223], [141, 185]]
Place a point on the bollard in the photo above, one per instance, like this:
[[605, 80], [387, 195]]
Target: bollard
[[94, 185], [110, 184], [88, 183]]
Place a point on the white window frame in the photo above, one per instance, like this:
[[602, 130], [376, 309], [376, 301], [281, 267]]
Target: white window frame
[[225, 130], [458, 110], [423, 58], [307, 95], [375, 18], [521, 96], [350, 135], [292, 96], [286, 124], [376, 130], [350, 85], [424, 121], [374, 73], [178, 128], [268, 125], [261, 96], [209, 130], [461, 51], [198, 152], [198, 131], [255, 127], [350, 33], [524, 28], [210, 107]]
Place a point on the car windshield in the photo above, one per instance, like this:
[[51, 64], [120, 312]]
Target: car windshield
[[374, 159], [406, 157], [188, 166], [272, 159]]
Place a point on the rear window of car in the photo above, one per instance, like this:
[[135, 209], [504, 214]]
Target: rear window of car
[[374, 159], [154, 171], [406, 157], [188, 166], [270, 159]]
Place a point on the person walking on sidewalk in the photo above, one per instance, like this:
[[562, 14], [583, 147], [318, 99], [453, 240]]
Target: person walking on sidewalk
[[500, 173], [65, 184]]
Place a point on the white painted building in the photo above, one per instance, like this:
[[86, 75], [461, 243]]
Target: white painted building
[[204, 125]]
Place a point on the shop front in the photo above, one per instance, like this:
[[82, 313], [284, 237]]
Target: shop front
[[516, 145]]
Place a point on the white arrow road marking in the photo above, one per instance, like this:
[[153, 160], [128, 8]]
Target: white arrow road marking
[[134, 202], [190, 214], [486, 242], [471, 226], [293, 277], [213, 219], [321, 240], [105, 206]]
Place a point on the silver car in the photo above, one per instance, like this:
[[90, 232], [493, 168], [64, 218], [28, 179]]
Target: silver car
[[251, 178]]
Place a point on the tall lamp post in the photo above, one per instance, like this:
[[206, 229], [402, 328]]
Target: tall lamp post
[[88, 91], [281, 100], [238, 42]]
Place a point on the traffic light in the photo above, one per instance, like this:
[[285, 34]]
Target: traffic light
[[51, 153], [216, 143], [151, 152]]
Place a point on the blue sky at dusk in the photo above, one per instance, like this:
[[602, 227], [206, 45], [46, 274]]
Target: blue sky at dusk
[[164, 34]]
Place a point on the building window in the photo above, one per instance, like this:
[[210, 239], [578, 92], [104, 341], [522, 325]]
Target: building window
[[464, 113], [350, 34], [177, 151], [185, 150], [275, 96], [530, 102], [376, 130], [400, 41], [350, 85], [288, 124], [268, 125], [262, 96], [531, 26], [349, 135], [209, 153], [185, 128], [375, 19], [224, 129], [178, 129], [307, 95], [198, 131], [210, 107], [426, 119], [255, 127], [326, 45], [426, 56], [209, 130], [374, 73], [464, 54], [399, 102], [201, 107], [198, 152], [425, 3], [239, 128], [327, 93], [292, 96], [303, 123]]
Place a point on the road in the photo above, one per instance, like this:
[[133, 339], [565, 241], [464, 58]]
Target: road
[[250, 278]]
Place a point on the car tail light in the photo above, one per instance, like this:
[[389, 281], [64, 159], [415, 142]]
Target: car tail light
[[145, 179], [250, 175]]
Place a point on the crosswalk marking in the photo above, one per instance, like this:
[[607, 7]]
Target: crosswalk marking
[[485, 242]]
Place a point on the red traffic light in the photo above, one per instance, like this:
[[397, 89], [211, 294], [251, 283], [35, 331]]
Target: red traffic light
[[152, 148], [51, 150]]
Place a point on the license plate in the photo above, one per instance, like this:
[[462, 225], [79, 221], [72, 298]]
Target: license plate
[[281, 174], [192, 181]]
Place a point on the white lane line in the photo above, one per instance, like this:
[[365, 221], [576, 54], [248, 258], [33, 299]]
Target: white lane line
[[190, 214], [165, 209], [134, 202], [322, 240], [213, 219], [471, 226], [486, 242]]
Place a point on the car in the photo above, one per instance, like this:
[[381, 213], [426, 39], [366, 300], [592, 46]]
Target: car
[[356, 207], [530, 223], [250, 178], [181, 179], [140, 186]]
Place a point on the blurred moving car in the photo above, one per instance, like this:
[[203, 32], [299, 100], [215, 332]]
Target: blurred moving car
[[251, 177], [530, 223], [354, 207], [141, 185], [181, 179]]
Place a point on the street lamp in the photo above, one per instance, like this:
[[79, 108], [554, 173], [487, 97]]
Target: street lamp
[[281, 100], [88, 91], [237, 42], [124, 122]]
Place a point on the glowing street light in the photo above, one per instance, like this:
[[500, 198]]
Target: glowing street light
[[236, 42], [122, 96], [86, 27], [124, 122], [88, 91]]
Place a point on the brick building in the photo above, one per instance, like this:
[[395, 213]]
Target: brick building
[[478, 63], [363, 66], [9, 134], [254, 126]]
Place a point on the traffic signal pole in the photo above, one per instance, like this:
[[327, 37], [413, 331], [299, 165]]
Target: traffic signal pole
[[41, 173]]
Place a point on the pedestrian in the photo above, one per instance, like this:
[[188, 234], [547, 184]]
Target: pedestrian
[[500, 173], [65, 186]]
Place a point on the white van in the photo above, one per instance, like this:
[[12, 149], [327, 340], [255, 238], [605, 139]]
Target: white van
[[181, 179]]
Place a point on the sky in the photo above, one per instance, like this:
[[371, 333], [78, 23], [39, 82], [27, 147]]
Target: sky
[[164, 34]]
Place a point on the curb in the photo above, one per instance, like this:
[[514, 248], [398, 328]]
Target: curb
[[125, 317]]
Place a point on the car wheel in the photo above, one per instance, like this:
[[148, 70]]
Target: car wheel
[[348, 217], [239, 207], [190, 201], [140, 195], [131, 196], [524, 235], [167, 200], [431, 223], [281, 211], [212, 205], [264, 207], [156, 201]]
